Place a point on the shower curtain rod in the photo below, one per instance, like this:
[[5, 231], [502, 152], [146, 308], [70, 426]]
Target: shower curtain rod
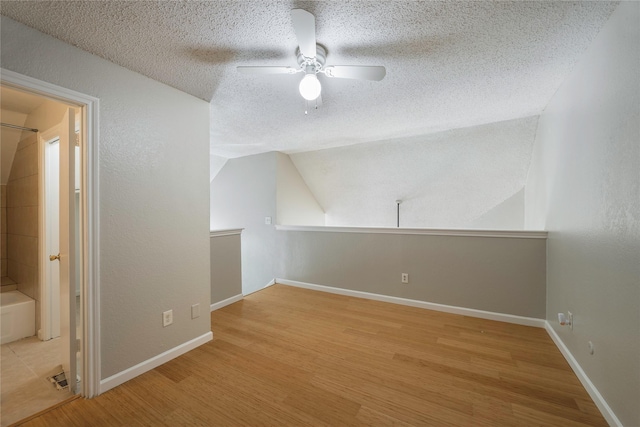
[[9, 125]]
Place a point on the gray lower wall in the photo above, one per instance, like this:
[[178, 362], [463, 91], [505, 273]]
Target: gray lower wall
[[498, 274], [226, 266]]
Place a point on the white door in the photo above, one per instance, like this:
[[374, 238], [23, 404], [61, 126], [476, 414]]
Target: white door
[[51, 315], [67, 249]]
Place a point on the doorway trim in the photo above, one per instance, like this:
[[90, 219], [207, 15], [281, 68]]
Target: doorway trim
[[89, 105]]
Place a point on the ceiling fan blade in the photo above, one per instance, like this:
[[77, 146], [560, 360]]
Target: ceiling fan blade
[[304, 25], [362, 72], [267, 70]]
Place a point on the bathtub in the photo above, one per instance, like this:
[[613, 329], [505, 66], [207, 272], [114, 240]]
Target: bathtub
[[17, 316]]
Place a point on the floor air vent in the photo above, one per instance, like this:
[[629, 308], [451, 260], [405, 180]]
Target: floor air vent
[[59, 380]]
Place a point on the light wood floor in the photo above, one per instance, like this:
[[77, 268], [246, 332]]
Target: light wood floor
[[287, 356]]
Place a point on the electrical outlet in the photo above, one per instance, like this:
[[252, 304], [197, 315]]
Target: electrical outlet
[[570, 315], [195, 311], [405, 278], [267, 220], [167, 318]]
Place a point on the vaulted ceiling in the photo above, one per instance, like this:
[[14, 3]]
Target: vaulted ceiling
[[449, 64]]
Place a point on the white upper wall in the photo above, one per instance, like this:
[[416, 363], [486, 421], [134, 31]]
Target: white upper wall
[[295, 205], [154, 205], [243, 193], [447, 180], [215, 165], [508, 215], [584, 187]]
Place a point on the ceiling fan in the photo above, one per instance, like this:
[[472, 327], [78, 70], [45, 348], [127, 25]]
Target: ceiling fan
[[311, 61]]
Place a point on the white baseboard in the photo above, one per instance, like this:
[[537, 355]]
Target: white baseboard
[[226, 302], [154, 362], [508, 318], [597, 398]]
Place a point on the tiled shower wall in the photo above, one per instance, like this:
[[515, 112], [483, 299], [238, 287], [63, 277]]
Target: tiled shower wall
[[22, 220]]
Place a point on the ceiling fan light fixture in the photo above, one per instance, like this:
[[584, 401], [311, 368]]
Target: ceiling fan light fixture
[[310, 87], [311, 58]]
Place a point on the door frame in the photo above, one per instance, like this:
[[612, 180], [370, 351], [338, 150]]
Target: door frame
[[90, 216]]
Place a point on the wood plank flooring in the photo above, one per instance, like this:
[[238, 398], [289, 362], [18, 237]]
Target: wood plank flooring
[[292, 357]]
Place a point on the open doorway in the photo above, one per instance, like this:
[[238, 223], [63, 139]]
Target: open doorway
[[44, 129]]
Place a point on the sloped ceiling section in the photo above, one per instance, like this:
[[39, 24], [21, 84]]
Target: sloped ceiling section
[[15, 107], [450, 65], [447, 180]]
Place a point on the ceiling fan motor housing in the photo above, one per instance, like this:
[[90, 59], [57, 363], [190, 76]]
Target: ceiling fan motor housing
[[317, 63]]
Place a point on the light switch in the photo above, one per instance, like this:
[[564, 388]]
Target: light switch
[[195, 311]]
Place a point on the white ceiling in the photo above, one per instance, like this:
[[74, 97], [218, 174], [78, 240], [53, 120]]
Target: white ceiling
[[446, 180], [449, 64]]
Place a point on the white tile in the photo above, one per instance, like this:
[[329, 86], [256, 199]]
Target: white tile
[[39, 356]]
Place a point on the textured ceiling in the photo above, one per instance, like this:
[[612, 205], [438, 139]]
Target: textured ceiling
[[449, 64], [445, 180]]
